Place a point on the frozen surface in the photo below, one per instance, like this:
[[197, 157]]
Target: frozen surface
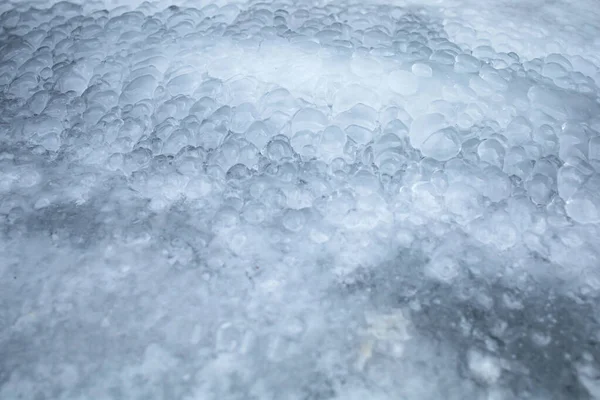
[[300, 200]]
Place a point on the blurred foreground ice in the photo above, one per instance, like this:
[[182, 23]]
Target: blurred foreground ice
[[300, 200]]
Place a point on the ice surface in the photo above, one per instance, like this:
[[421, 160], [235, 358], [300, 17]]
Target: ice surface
[[299, 200]]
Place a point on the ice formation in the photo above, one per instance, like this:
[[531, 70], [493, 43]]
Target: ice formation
[[299, 200]]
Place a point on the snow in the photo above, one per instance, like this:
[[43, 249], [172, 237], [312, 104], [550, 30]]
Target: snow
[[217, 199]]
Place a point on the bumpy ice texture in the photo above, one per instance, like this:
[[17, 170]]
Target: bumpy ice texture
[[299, 200]]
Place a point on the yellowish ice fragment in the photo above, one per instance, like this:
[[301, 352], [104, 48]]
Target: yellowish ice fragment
[[390, 330], [365, 353]]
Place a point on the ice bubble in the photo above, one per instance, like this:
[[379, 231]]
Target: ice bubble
[[424, 126], [359, 134], [573, 141], [497, 185], [182, 84], [25, 84], [584, 205], [444, 57], [403, 82], [517, 163], [332, 142], [466, 63], [244, 115], [254, 212], [594, 148], [279, 100], [308, 119], [464, 202], [422, 70], [390, 161], [225, 220], [273, 198], [492, 152], [238, 172], [442, 145], [554, 70], [258, 134], [305, 143], [365, 183], [140, 88], [539, 188], [249, 156], [179, 139], [569, 180], [279, 149], [440, 181], [177, 107], [498, 230], [294, 220], [360, 115], [37, 102], [481, 87], [519, 131], [549, 101]]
